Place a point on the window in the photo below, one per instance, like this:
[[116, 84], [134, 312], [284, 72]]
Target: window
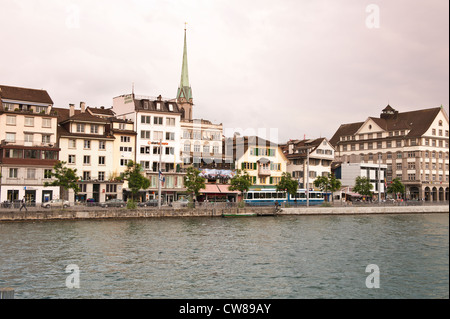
[[156, 150], [170, 136], [145, 149], [10, 120], [86, 160], [158, 106], [12, 173], [145, 135], [145, 119], [94, 129], [186, 134], [111, 188], [170, 150], [31, 154], [31, 173], [126, 149], [157, 135], [101, 160], [361, 146], [87, 144], [215, 149], [72, 143], [127, 139], [29, 121], [101, 176], [197, 135], [196, 148], [170, 121], [46, 122], [46, 138], [433, 131], [145, 164], [411, 177], [157, 120], [101, 145], [28, 137], [187, 147], [80, 128], [399, 166], [71, 159], [206, 149], [86, 175], [379, 145], [10, 137], [123, 162], [47, 173]]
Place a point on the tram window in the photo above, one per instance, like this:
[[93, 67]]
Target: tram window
[[302, 195], [319, 195], [249, 195], [262, 195], [274, 195], [280, 195], [256, 195]]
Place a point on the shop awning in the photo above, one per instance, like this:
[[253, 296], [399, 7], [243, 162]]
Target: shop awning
[[217, 189]]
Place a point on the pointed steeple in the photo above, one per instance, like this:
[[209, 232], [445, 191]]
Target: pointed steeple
[[184, 90], [184, 94]]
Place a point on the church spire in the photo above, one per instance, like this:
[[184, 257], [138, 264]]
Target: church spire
[[184, 94]]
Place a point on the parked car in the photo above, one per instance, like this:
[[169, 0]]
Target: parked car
[[114, 203], [56, 203], [149, 203]]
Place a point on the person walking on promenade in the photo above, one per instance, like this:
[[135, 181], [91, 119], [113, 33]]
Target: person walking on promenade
[[23, 204]]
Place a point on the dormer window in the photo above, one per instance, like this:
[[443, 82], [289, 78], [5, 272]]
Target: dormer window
[[171, 107], [158, 106]]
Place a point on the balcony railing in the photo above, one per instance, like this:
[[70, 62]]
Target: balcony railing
[[263, 171], [28, 143]]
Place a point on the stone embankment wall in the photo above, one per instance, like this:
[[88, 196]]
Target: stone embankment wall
[[122, 213]]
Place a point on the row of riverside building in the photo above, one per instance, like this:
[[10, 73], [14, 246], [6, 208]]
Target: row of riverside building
[[162, 135]]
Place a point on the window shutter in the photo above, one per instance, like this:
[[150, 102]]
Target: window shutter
[[254, 165], [243, 165], [271, 180]]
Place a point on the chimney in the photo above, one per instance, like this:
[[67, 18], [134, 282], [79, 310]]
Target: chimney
[[159, 98], [72, 110], [83, 107]]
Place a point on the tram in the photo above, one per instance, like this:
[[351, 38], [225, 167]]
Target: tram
[[268, 197]]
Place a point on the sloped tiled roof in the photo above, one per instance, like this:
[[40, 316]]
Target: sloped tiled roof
[[25, 94], [416, 122]]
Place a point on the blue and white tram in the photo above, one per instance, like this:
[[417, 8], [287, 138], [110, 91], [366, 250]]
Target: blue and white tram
[[268, 197]]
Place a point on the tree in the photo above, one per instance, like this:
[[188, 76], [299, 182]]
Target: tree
[[136, 181], [363, 186], [193, 181], [287, 184], [240, 182], [64, 177], [329, 182], [396, 187]]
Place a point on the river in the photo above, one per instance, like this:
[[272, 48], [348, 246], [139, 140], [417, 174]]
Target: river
[[301, 257]]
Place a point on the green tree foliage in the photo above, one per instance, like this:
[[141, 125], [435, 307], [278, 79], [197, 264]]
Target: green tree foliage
[[287, 184], [136, 181], [363, 186], [328, 183], [193, 181], [396, 187], [240, 182], [64, 177]]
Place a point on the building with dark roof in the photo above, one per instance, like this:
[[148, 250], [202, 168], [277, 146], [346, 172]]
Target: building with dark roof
[[321, 155], [413, 145], [29, 146]]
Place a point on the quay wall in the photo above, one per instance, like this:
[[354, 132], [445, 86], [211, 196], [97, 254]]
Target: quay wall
[[122, 213]]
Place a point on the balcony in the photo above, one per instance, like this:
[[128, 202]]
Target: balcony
[[4, 143], [263, 171]]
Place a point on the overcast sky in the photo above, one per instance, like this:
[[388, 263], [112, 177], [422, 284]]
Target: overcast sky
[[300, 66]]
